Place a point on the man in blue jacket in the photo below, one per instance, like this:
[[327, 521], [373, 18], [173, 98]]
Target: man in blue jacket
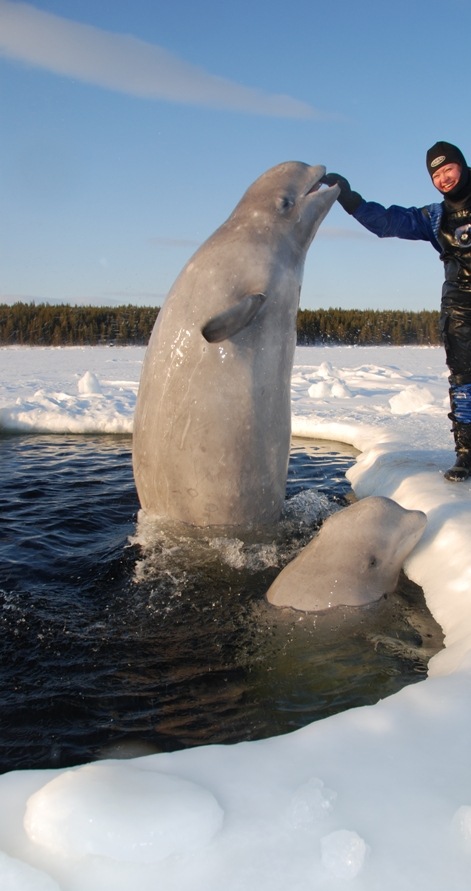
[[447, 226]]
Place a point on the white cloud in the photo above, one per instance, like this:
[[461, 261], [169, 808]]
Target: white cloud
[[127, 64]]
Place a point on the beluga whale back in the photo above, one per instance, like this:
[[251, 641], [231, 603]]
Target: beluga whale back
[[212, 424]]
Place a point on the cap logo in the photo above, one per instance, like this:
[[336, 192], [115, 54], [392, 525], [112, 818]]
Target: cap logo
[[437, 161]]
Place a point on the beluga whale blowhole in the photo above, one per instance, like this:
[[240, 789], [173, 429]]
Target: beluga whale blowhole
[[212, 425]]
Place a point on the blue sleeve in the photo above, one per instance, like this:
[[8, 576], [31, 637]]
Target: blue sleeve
[[414, 223]]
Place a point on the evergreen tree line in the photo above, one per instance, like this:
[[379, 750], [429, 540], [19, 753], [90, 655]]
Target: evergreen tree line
[[368, 327], [42, 324], [63, 325]]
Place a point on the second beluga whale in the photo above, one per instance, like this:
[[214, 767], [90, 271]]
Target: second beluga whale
[[354, 559], [212, 424]]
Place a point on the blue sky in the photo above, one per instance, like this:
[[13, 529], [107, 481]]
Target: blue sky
[[131, 129]]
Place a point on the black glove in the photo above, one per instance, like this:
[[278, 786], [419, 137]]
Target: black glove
[[348, 199]]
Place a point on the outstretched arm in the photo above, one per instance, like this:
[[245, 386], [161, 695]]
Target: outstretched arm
[[413, 223]]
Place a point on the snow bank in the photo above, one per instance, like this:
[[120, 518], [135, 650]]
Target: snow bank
[[375, 798]]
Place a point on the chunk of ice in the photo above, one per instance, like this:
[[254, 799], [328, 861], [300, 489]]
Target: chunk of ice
[[122, 812], [343, 853]]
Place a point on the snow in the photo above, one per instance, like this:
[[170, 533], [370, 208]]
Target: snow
[[70, 390], [375, 797], [153, 816]]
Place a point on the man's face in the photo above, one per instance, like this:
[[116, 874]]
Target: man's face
[[447, 177]]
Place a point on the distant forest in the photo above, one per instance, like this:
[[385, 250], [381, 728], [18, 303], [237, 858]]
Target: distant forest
[[42, 324]]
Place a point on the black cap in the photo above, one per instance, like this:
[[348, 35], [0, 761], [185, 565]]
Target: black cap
[[444, 153]]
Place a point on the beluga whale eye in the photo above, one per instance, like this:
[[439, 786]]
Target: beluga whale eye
[[284, 203]]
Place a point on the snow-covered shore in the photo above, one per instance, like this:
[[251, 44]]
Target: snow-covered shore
[[377, 797]]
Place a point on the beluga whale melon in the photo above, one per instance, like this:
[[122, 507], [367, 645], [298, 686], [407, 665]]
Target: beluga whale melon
[[212, 424]]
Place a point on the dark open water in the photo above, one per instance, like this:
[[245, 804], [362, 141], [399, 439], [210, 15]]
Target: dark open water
[[125, 638]]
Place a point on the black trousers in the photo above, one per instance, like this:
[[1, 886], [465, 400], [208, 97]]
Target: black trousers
[[455, 329]]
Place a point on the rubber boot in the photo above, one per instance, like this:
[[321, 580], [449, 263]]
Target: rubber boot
[[461, 469]]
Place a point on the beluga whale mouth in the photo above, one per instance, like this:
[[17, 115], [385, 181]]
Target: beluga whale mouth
[[319, 185], [314, 188]]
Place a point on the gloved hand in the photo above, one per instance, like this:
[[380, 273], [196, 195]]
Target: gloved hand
[[348, 199]]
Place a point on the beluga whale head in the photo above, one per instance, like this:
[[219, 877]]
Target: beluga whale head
[[354, 559]]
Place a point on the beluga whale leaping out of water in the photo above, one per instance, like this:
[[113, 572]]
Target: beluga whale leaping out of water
[[212, 425]]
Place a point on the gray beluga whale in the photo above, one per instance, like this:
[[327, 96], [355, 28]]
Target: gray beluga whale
[[354, 559], [213, 417]]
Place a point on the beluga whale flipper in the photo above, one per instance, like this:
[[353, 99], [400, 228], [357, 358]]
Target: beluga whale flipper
[[212, 424], [354, 559]]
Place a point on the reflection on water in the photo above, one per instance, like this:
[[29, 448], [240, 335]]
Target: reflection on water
[[122, 637]]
